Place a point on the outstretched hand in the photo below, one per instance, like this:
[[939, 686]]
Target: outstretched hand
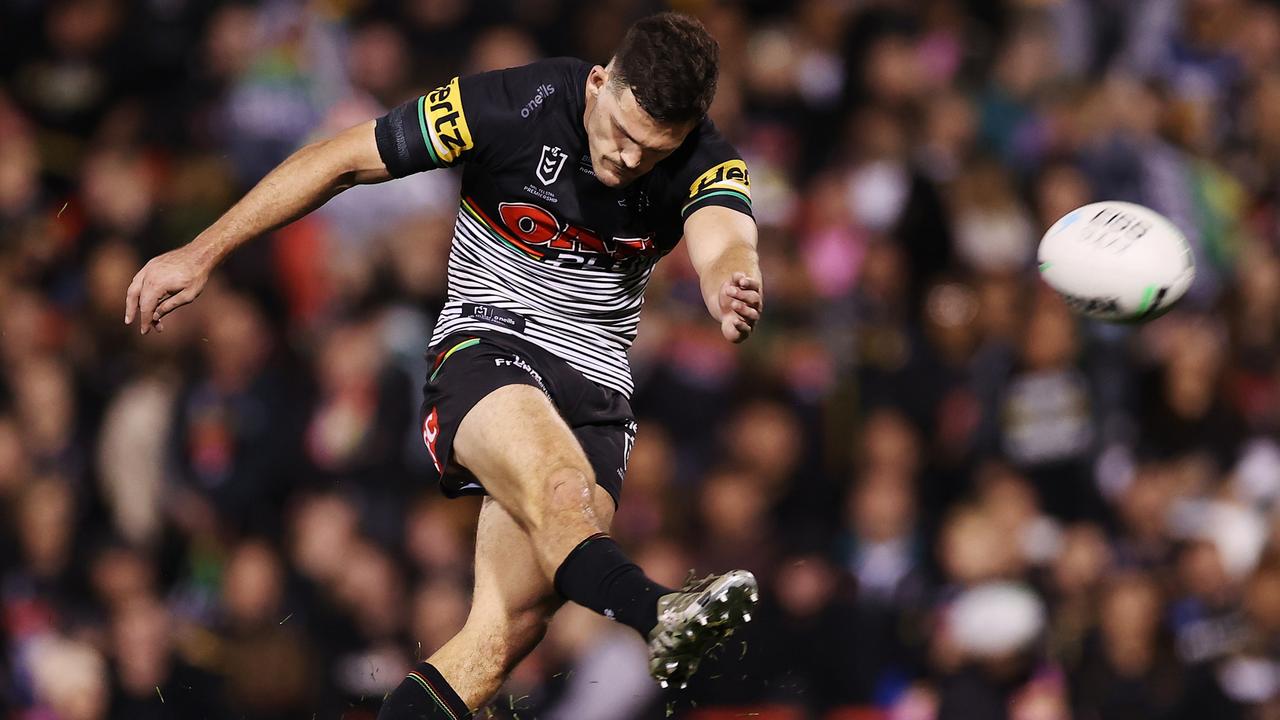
[[163, 285], [741, 302]]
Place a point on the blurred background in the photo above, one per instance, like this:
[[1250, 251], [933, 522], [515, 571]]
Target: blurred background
[[962, 501]]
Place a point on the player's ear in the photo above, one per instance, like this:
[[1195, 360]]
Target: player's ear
[[596, 80]]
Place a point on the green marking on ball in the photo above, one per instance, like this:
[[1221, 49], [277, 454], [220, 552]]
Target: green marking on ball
[[1045, 266], [1148, 295]]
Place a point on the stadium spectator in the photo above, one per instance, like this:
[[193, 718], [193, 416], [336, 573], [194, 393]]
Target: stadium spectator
[[227, 520]]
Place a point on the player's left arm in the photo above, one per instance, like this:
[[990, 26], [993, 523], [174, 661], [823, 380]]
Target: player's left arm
[[722, 247]]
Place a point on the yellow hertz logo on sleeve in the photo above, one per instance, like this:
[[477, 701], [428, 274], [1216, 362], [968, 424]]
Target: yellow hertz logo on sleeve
[[444, 125], [727, 177]]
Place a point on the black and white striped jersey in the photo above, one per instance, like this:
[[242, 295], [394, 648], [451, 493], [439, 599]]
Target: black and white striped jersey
[[541, 248]]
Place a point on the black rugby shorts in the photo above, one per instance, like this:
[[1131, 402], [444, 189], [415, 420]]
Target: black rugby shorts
[[465, 367]]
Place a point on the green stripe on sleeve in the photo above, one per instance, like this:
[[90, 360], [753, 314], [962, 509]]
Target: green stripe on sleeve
[[700, 198], [426, 137]]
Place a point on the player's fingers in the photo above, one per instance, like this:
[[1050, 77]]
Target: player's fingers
[[131, 297], [750, 287], [728, 294], [147, 306], [728, 328], [735, 329], [750, 297], [746, 282], [156, 314], [746, 312], [173, 302]]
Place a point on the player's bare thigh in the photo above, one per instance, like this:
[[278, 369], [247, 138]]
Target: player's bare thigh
[[527, 458]]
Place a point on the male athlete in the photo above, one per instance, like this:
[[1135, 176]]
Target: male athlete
[[577, 179]]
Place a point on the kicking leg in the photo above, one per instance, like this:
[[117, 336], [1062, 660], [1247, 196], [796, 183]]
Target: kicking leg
[[512, 603], [529, 460], [515, 442]]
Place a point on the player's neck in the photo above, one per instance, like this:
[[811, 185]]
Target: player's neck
[[588, 103]]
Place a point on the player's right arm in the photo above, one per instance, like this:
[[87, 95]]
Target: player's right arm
[[300, 184], [429, 132]]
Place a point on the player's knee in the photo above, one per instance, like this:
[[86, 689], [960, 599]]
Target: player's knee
[[562, 494], [557, 492]]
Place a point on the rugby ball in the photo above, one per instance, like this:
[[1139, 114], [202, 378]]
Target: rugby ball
[[1117, 261]]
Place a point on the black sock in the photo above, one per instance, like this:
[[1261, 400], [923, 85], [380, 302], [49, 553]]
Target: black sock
[[424, 695], [597, 575]]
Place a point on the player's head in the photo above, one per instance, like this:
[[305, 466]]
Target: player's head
[[655, 90]]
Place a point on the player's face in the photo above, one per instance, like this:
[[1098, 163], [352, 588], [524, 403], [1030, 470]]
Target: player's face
[[625, 142]]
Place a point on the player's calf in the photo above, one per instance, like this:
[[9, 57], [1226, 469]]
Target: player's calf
[[478, 659]]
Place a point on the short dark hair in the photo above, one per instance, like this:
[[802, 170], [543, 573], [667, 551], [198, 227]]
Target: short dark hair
[[670, 62]]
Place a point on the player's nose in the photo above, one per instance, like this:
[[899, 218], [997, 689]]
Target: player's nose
[[630, 158]]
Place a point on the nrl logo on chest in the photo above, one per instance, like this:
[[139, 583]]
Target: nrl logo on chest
[[550, 164]]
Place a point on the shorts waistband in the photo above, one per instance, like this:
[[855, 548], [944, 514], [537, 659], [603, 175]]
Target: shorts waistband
[[495, 316]]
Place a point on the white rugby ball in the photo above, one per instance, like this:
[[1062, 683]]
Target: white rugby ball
[[1117, 261]]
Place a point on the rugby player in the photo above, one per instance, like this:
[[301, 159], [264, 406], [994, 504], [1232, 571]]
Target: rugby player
[[576, 180]]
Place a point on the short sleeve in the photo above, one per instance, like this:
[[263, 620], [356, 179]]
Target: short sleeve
[[429, 132], [468, 119], [478, 118], [713, 174]]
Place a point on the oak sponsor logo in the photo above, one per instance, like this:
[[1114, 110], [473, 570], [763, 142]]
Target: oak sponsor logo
[[730, 175], [444, 124], [539, 228]]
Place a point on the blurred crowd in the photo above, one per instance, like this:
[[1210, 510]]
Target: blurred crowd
[[962, 501]]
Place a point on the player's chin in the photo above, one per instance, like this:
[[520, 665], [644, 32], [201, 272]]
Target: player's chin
[[611, 176], [612, 179]]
